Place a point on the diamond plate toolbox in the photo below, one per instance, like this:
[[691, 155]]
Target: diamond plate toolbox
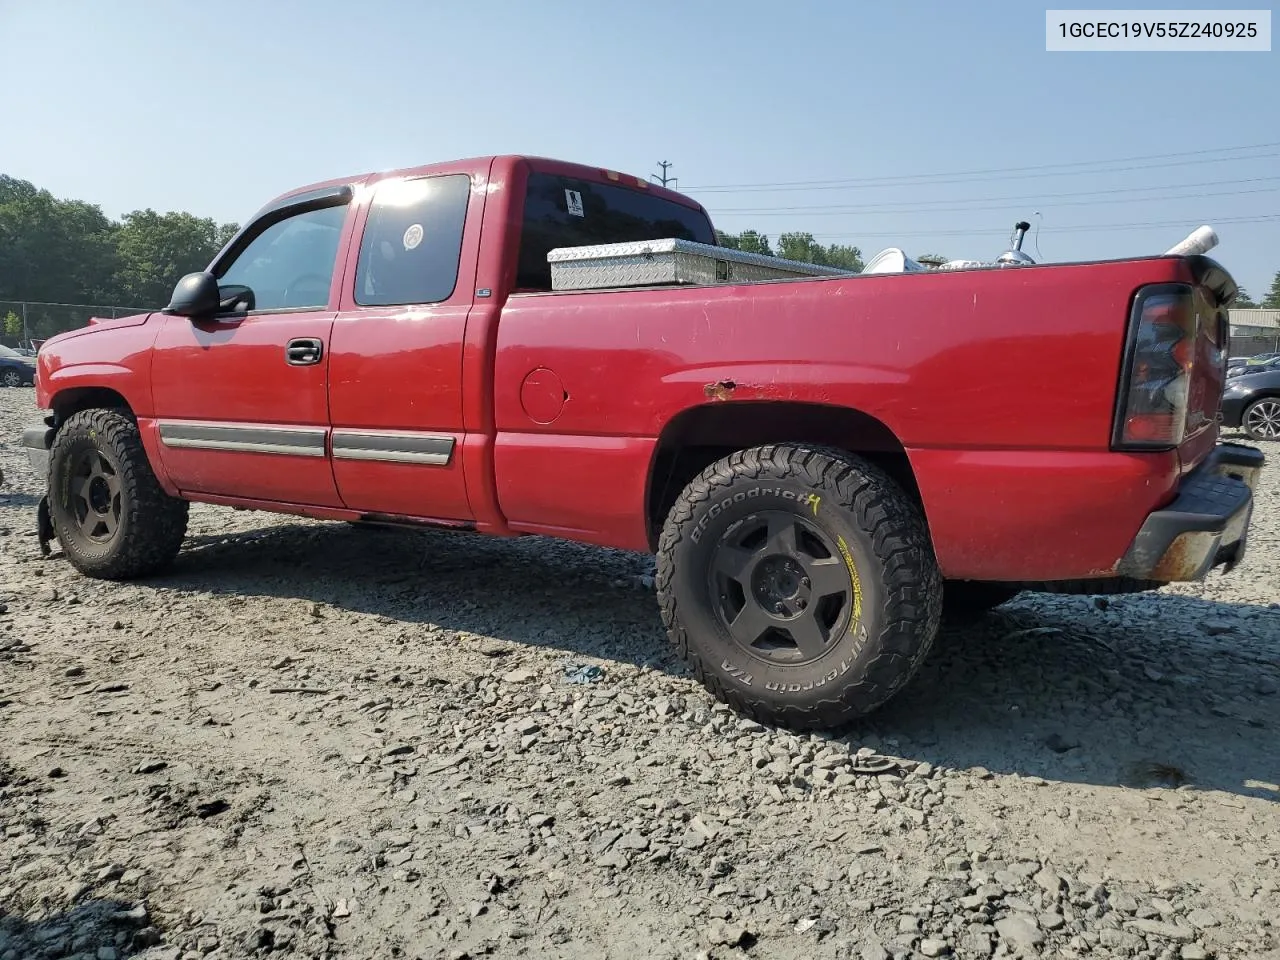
[[645, 263]]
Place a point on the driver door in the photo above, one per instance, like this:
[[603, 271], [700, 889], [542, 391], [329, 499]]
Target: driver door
[[241, 399]]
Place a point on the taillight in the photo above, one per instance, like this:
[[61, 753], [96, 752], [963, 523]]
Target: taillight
[[1157, 370]]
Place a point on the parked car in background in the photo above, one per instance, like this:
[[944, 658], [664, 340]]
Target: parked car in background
[[1251, 401], [1236, 364], [15, 369], [1272, 363]]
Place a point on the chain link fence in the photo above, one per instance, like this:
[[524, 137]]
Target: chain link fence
[[22, 321]]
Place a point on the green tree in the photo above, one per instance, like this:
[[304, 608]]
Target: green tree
[[1243, 301], [803, 247], [155, 249], [1272, 300], [54, 250], [12, 325], [69, 252], [749, 241]]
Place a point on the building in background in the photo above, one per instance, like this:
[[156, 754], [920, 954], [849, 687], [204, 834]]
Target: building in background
[[1254, 331]]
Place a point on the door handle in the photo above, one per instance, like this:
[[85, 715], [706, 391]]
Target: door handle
[[303, 352]]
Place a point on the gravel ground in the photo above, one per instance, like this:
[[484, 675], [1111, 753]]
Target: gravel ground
[[318, 741]]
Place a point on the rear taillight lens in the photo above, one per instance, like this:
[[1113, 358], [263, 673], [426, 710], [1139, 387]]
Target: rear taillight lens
[[1156, 379]]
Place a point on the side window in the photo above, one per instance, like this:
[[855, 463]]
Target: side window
[[290, 264], [412, 241]]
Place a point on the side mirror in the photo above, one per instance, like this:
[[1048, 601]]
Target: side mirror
[[196, 295]]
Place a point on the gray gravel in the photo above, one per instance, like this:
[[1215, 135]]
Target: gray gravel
[[316, 741]]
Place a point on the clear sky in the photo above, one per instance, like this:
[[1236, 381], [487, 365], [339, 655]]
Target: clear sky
[[215, 108]]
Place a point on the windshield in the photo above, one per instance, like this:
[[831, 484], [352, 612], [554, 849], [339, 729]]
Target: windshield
[[6, 352]]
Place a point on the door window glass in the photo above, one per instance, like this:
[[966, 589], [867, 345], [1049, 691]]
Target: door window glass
[[290, 263], [412, 241]]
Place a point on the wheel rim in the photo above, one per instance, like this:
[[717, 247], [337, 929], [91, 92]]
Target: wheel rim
[[95, 497], [11, 378], [1264, 419], [781, 587]]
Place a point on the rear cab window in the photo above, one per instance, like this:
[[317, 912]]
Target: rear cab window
[[566, 211]]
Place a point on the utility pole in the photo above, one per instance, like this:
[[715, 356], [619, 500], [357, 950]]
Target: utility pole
[[664, 179]]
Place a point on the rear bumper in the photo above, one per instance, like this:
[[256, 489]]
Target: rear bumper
[[1206, 526]]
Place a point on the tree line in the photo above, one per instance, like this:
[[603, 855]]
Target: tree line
[[794, 246], [1270, 302], [69, 251]]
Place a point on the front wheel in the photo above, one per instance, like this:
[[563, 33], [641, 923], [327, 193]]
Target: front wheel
[[108, 510], [1261, 419], [799, 583], [11, 378]]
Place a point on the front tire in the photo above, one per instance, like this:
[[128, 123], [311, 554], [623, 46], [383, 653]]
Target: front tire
[[799, 583], [109, 512], [1261, 419], [11, 378]]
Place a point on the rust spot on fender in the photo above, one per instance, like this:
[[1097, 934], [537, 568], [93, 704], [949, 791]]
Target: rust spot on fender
[[720, 390]]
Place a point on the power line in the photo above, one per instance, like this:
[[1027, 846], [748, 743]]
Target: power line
[[664, 179], [970, 176], [1024, 199], [943, 206]]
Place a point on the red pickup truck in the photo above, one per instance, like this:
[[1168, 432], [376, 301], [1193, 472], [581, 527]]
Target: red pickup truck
[[820, 464]]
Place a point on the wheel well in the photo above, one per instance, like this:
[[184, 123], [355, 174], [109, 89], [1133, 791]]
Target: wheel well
[[70, 402], [702, 435]]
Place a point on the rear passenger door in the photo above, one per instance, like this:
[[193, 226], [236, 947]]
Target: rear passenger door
[[395, 374]]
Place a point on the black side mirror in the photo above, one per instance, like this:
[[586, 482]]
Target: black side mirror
[[196, 295]]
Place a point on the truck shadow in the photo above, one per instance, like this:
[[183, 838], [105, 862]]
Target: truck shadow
[[1147, 690], [79, 930], [10, 500]]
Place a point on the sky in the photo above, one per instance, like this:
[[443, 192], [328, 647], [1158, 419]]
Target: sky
[[929, 126]]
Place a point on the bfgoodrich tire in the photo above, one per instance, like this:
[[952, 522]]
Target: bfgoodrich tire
[[799, 583], [109, 512]]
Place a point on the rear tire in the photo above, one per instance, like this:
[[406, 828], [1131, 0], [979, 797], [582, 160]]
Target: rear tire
[[109, 512], [799, 583]]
